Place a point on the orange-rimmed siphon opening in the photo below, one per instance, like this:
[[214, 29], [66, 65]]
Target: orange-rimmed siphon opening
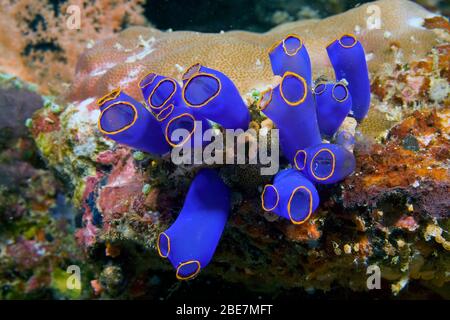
[[296, 49], [347, 40], [166, 99], [310, 204], [147, 80], [175, 120], [163, 245], [340, 95], [122, 128], [269, 197], [300, 157], [184, 271], [320, 88], [333, 163], [266, 98], [195, 68], [165, 113], [206, 100], [303, 83], [113, 94]]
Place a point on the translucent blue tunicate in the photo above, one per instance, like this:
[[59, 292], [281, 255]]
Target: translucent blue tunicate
[[212, 95], [190, 242], [333, 102], [127, 121], [291, 107], [325, 163], [349, 62]]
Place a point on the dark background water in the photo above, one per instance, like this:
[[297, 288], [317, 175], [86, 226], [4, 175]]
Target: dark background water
[[251, 15]]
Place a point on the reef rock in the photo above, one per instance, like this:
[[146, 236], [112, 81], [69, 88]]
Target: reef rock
[[393, 212]]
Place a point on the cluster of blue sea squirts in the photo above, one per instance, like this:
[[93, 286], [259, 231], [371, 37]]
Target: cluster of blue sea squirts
[[303, 111]]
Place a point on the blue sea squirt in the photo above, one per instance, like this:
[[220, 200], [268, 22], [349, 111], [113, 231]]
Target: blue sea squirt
[[303, 114], [191, 240]]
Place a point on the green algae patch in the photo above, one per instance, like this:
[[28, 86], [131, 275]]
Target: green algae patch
[[64, 283]]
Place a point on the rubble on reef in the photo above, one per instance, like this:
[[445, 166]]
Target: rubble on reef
[[393, 212]]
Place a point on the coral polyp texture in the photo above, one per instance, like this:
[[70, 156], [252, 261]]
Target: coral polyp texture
[[392, 212]]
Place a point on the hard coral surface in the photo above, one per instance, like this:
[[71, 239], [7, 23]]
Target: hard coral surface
[[393, 212]]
